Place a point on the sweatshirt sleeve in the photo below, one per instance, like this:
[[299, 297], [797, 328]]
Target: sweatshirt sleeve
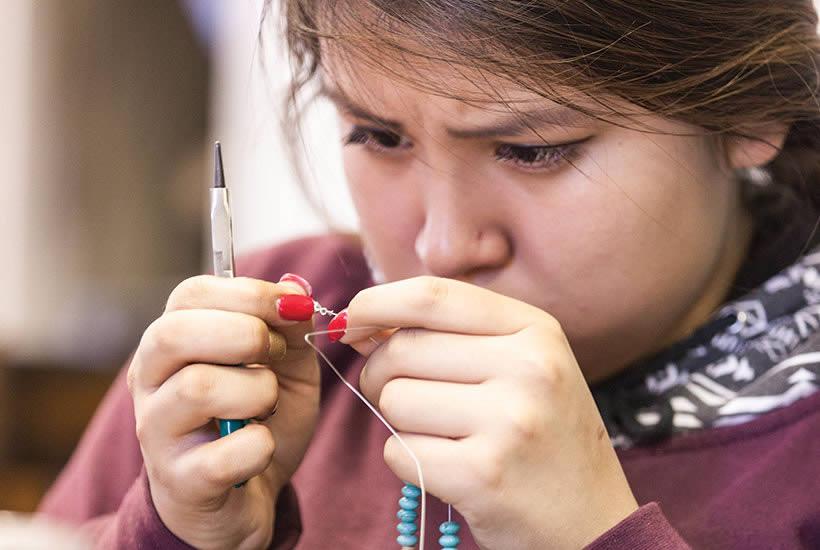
[[645, 529], [105, 491]]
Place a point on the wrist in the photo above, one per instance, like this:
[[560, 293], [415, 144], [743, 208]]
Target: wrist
[[610, 513]]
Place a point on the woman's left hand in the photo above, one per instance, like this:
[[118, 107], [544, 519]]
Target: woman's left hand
[[487, 393]]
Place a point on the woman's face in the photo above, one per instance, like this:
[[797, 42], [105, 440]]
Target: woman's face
[[629, 237]]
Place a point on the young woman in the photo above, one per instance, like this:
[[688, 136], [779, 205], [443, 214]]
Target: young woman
[[587, 241]]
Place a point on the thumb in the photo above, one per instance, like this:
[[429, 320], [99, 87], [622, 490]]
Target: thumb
[[363, 339]]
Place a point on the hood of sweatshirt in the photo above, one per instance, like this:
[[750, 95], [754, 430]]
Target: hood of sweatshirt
[[758, 353]]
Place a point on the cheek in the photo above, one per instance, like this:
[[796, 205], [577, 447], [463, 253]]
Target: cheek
[[640, 224], [660, 193]]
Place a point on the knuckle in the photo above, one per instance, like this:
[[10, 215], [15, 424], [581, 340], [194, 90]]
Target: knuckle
[[488, 471], [546, 331], [551, 326], [161, 337], [523, 420], [253, 290], [267, 445], [542, 371], [141, 428], [434, 291], [271, 383], [214, 468], [392, 451], [258, 339], [146, 425], [539, 363], [247, 286], [195, 385], [389, 399], [550, 333], [364, 379], [362, 300], [187, 293], [402, 343], [551, 377], [159, 475], [260, 445], [146, 420], [131, 377]]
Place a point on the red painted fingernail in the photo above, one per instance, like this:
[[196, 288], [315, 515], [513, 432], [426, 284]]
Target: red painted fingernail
[[295, 307], [337, 323], [292, 277]]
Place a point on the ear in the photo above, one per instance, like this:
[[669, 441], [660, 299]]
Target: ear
[[750, 152]]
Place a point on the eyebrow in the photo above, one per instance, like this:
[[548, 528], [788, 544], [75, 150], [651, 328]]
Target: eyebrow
[[344, 103], [512, 125]]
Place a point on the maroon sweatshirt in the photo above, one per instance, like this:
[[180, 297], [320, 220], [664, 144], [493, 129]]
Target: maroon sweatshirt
[[753, 485]]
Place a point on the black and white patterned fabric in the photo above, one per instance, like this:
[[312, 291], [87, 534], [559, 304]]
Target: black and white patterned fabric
[[758, 353]]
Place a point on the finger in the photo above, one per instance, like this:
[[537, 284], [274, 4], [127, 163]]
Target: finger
[[441, 409], [179, 338], [373, 341], [419, 353], [439, 304], [441, 461], [212, 468], [254, 297], [295, 335], [198, 393]]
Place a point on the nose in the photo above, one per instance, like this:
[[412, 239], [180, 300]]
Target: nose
[[460, 234]]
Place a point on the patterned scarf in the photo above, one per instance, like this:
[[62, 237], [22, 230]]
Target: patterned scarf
[[748, 359]]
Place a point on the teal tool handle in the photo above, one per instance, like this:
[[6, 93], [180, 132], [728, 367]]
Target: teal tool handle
[[229, 426]]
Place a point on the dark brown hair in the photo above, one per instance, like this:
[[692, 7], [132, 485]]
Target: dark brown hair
[[727, 66]]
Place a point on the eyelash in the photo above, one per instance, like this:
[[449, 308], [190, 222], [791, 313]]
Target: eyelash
[[375, 139], [538, 158], [530, 158]]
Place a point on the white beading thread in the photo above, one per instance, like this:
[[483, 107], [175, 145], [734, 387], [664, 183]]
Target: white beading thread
[[370, 406]]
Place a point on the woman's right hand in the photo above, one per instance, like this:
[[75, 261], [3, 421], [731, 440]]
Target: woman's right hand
[[181, 378]]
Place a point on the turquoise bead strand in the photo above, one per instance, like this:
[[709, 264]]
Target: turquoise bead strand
[[449, 538], [407, 527], [407, 516]]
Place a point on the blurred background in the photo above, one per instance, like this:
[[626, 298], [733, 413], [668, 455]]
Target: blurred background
[[109, 111]]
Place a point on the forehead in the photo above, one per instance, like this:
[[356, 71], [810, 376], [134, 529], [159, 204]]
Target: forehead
[[394, 79]]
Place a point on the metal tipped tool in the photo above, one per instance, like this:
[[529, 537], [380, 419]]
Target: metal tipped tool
[[219, 172], [222, 248]]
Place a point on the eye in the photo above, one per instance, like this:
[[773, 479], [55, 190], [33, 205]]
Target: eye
[[536, 158], [376, 139]]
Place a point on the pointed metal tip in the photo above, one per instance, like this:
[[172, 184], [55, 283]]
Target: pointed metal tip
[[219, 173]]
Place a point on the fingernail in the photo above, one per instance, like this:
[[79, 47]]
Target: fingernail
[[292, 277], [337, 323], [294, 307]]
